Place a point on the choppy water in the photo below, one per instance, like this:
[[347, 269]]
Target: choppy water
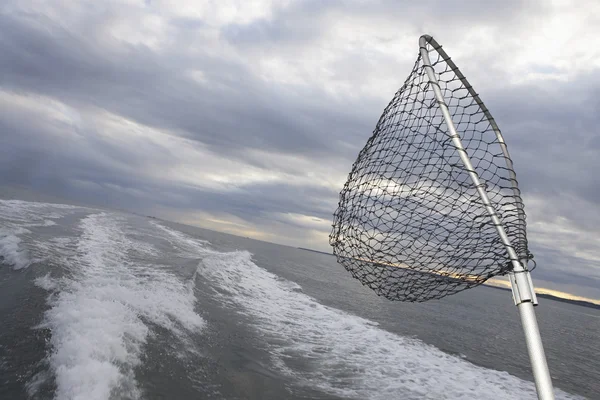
[[104, 305]]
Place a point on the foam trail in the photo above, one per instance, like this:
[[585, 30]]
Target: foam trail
[[347, 355], [99, 316]]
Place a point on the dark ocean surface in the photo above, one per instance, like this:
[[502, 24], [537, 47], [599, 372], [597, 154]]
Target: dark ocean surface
[[97, 304]]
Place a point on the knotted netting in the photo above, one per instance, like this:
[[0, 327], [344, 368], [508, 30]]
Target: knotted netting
[[410, 223]]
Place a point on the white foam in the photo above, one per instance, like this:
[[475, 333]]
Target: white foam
[[349, 356], [11, 249], [99, 315], [47, 283]]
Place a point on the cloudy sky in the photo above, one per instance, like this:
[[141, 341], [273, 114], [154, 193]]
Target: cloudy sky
[[245, 116]]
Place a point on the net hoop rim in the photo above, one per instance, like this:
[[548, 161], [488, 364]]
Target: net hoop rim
[[427, 39]]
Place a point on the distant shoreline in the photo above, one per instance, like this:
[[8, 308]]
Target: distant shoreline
[[314, 251], [582, 303], [556, 298]]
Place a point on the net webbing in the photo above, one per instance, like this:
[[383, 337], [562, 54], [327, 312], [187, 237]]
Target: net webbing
[[410, 223]]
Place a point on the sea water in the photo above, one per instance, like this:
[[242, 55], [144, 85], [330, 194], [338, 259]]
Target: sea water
[[97, 304]]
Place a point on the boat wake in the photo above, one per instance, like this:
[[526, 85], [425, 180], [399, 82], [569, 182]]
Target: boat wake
[[102, 312], [346, 355]]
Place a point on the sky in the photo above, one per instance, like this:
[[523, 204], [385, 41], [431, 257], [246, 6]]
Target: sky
[[245, 116]]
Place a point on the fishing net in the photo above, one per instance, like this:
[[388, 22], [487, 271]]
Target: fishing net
[[410, 223]]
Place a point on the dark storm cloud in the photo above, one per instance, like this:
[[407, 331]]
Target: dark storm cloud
[[39, 157], [247, 121], [152, 89]]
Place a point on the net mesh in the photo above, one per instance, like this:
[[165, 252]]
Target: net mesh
[[410, 223]]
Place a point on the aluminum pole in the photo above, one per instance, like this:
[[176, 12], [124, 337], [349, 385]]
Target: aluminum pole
[[520, 278]]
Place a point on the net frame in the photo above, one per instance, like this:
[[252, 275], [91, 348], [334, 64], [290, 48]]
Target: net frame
[[366, 236]]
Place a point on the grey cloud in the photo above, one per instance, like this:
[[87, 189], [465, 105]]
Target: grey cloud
[[551, 136], [300, 22]]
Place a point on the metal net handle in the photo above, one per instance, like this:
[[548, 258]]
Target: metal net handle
[[522, 286], [519, 276], [426, 39]]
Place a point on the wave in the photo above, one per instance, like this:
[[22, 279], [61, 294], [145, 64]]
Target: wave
[[346, 355], [17, 217], [28, 213], [102, 312], [185, 244]]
